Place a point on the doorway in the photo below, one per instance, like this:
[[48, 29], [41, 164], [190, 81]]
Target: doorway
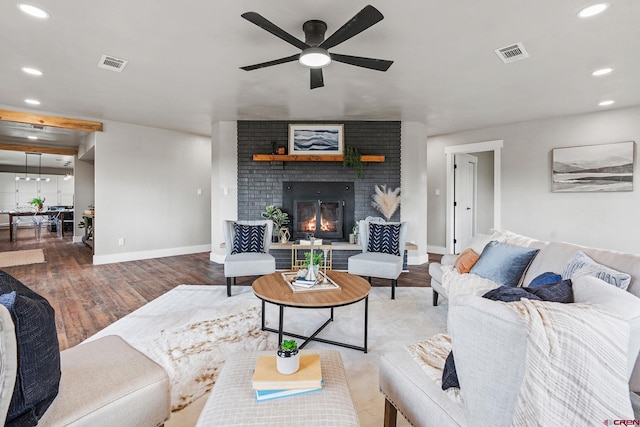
[[465, 183], [494, 148]]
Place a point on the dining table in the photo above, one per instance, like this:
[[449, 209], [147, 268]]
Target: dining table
[[39, 213]]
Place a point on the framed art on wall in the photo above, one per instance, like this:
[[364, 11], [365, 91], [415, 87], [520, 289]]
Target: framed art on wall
[[316, 139], [603, 167]]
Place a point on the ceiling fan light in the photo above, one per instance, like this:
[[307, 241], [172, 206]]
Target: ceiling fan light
[[315, 57]]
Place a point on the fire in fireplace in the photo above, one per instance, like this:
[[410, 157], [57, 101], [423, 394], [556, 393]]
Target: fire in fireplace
[[324, 209], [318, 217]]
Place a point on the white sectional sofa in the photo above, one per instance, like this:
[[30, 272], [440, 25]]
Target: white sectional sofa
[[409, 390]]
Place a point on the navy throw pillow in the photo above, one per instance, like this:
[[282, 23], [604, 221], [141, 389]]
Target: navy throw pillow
[[38, 352], [449, 374], [561, 291], [503, 263], [545, 279], [384, 238], [248, 238], [509, 294]]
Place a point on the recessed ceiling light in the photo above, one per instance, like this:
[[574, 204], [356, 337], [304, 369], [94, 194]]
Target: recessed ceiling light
[[606, 103], [32, 71], [32, 137], [602, 72], [33, 10], [32, 101], [593, 10]]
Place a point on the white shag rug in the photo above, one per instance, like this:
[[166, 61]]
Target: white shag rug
[[190, 330]]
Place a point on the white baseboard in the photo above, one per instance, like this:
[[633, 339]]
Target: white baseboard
[[440, 250], [417, 259], [159, 253], [217, 258]]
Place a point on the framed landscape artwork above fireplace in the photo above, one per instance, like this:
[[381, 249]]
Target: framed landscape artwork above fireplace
[[316, 139]]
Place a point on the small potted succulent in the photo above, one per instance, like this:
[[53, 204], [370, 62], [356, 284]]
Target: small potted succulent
[[288, 360]]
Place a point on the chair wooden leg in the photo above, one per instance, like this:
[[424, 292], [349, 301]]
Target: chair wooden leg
[[435, 298], [390, 414], [228, 286], [394, 282], [369, 279]]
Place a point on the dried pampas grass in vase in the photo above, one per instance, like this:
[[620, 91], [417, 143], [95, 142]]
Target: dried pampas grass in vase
[[386, 200]]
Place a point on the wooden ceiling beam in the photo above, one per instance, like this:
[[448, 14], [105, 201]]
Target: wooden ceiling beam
[[62, 151], [56, 122]]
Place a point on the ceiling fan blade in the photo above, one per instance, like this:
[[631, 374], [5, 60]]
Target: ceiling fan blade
[[358, 61], [270, 63], [264, 23], [360, 22], [316, 78]]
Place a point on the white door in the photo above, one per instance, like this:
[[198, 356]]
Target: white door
[[464, 205]]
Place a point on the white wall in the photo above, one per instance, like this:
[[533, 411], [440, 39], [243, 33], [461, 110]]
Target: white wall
[[605, 220], [147, 182], [414, 187], [224, 182]]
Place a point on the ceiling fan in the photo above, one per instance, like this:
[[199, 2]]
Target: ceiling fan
[[314, 49]]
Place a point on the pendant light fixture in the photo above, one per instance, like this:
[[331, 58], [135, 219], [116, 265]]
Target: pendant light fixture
[[26, 176]]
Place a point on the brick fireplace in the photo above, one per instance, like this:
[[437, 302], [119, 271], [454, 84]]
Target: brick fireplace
[[265, 183]]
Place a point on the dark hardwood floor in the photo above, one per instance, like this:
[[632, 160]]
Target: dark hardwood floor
[[89, 297]]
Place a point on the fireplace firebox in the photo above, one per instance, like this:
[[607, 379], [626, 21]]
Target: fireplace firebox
[[322, 209]]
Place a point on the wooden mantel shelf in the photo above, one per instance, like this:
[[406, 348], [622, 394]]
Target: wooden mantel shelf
[[310, 158]]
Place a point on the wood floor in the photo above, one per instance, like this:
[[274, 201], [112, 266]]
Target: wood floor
[[89, 297]]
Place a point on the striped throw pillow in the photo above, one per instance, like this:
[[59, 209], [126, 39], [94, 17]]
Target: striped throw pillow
[[581, 265], [384, 238], [248, 238]]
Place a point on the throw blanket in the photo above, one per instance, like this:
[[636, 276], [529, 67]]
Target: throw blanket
[[577, 365], [464, 284], [431, 355]]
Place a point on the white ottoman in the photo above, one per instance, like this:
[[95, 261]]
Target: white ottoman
[[233, 401]]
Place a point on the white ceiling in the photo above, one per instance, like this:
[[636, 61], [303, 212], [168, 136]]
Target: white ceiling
[[184, 58]]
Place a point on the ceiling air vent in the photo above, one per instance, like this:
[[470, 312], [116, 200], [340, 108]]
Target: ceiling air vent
[[112, 63], [512, 53], [37, 127]]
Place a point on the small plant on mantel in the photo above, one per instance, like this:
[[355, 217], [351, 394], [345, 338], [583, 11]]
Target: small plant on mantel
[[351, 157]]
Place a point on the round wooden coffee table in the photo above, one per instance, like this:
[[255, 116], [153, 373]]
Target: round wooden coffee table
[[272, 288]]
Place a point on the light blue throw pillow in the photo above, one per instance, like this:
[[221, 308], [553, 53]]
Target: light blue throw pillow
[[503, 263], [581, 265]]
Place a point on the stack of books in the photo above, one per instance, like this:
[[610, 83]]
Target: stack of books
[[270, 384]]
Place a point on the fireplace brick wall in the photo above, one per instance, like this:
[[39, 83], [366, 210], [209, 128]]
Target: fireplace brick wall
[[260, 183]]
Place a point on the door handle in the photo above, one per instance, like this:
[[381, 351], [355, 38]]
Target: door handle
[[468, 209]]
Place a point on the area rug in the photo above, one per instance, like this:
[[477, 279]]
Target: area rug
[[13, 258], [191, 329]]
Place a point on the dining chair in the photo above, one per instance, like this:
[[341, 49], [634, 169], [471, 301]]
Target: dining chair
[[23, 220]]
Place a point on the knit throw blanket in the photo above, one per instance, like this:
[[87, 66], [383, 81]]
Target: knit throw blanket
[[576, 365]]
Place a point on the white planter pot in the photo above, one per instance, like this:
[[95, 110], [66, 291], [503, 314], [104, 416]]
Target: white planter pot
[[288, 364]]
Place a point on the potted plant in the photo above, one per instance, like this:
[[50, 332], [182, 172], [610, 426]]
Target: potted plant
[[288, 360], [317, 260], [279, 218], [37, 202], [351, 157]]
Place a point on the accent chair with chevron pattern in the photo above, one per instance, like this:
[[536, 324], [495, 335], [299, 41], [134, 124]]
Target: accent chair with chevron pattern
[[382, 254], [247, 245]]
